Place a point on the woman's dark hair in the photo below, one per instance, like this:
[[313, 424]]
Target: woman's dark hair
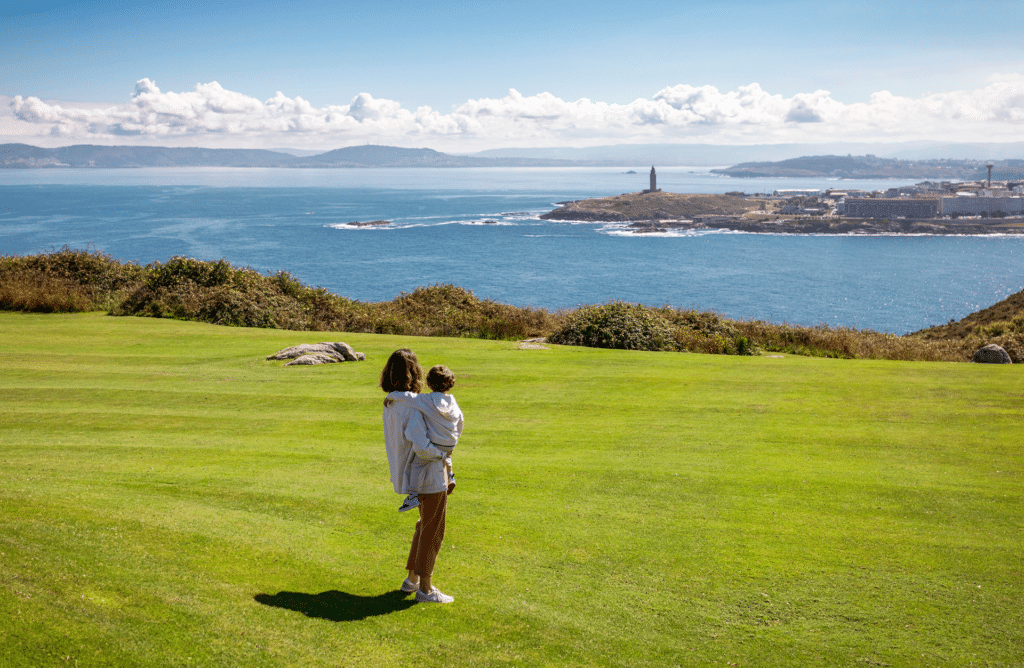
[[440, 378], [402, 372]]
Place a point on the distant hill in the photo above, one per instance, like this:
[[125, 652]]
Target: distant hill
[[873, 167], [88, 155], [23, 156], [372, 155]]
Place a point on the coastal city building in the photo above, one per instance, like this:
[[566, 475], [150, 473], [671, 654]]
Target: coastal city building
[[976, 206], [961, 204], [890, 207]]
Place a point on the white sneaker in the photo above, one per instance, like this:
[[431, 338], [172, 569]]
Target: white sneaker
[[435, 596], [409, 586]]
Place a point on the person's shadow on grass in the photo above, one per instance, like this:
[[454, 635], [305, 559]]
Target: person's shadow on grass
[[339, 606]]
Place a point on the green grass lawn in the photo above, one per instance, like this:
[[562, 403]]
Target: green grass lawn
[[169, 498]]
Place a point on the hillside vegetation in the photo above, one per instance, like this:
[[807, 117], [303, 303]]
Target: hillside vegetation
[[69, 281]]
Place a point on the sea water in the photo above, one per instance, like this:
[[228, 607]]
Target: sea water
[[479, 229]]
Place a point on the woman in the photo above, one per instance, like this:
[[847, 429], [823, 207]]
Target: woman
[[405, 436]]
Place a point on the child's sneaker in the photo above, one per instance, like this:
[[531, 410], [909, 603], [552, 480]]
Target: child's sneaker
[[410, 502]]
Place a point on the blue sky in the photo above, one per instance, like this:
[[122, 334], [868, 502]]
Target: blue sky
[[90, 55]]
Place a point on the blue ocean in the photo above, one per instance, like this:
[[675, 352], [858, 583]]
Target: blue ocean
[[296, 220]]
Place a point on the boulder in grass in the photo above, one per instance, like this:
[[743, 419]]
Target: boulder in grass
[[339, 349], [316, 358], [991, 354]]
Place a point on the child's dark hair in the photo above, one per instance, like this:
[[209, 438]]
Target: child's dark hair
[[402, 372], [440, 378]]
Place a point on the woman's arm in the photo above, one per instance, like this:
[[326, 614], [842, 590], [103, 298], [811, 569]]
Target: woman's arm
[[416, 433]]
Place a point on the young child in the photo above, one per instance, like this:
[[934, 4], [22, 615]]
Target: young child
[[444, 426]]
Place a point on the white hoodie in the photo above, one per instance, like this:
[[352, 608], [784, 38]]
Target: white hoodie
[[422, 470], [441, 411]]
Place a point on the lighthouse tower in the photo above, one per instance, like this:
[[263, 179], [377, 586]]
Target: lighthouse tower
[[654, 182]]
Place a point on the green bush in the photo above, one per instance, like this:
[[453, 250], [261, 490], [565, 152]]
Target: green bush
[[618, 325]]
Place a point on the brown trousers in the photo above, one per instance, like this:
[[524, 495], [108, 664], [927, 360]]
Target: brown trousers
[[426, 542]]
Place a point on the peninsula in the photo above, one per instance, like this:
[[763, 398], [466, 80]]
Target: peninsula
[[651, 212]]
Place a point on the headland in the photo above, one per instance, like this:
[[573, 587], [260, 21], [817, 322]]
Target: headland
[[782, 213]]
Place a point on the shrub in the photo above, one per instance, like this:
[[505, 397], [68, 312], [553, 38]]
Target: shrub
[[64, 281], [616, 325], [1013, 344], [36, 291]]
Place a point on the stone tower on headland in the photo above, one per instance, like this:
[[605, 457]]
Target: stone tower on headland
[[654, 182]]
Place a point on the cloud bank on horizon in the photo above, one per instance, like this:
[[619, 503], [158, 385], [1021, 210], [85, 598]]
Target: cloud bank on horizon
[[677, 114]]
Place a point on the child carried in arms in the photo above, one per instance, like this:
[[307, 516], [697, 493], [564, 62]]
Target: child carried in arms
[[444, 426]]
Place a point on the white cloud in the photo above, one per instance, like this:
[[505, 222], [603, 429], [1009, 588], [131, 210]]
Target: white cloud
[[678, 113]]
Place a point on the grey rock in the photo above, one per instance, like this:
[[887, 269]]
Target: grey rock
[[316, 358], [344, 350], [991, 354], [338, 351], [302, 349]]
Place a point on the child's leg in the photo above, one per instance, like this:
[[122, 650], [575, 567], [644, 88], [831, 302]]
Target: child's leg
[[450, 475]]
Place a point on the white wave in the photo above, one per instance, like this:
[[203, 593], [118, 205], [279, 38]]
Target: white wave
[[627, 232]]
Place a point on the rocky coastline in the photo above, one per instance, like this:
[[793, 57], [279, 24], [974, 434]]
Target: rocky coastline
[[832, 226]]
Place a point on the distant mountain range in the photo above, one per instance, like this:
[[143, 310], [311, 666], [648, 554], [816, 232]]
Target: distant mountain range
[[15, 156], [718, 155], [791, 159], [873, 167]]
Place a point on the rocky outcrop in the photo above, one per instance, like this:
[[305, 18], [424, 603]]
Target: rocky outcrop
[[370, 223], [991, 354], [318, 353], [586, 215]]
